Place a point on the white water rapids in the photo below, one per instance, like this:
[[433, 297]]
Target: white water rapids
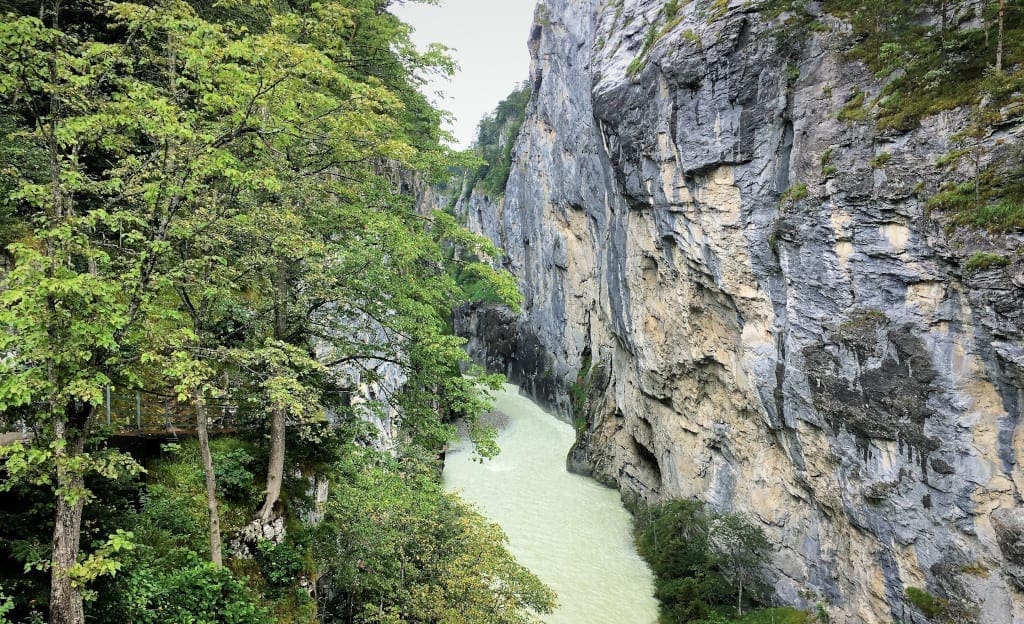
[[569, 530]]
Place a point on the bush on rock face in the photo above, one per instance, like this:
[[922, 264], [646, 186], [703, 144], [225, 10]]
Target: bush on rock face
[[706, 564]]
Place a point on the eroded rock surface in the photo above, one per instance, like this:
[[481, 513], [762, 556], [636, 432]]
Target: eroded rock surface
[[818, 359]]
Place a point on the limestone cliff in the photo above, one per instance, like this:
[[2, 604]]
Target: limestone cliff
[[757, 327]]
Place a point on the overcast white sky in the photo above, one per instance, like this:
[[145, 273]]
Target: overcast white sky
[[489, 37]]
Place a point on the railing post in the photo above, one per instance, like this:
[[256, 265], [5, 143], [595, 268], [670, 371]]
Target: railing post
[[108, 404], [138, 410]]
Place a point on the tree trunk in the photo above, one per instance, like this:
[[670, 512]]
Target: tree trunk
[[275, 463], [942, 25], [211, 479], [66, 599], [739, 600], [999, 40]]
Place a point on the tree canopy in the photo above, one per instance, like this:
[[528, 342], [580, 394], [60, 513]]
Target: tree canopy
[[210, 201]]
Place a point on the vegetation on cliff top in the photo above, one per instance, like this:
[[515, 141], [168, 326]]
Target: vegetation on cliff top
[[933, 56], [200, 200], [495, 140]]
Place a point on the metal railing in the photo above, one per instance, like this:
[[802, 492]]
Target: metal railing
[[146, 412]]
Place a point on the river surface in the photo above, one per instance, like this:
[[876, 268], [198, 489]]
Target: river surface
[[569, 530]]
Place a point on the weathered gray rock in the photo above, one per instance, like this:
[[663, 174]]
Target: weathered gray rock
[[245, 542], [822, 363], [1009, 527]]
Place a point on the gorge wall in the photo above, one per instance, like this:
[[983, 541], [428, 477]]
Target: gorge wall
[[756, 312]]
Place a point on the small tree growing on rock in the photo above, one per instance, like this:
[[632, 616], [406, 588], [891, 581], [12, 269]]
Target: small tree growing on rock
[[742, 550]]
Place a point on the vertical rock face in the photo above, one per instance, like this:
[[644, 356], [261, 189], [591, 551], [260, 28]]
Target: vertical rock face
[[753, 328]]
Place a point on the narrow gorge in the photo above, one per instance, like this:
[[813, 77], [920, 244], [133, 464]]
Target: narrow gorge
[[568, 529], [281, 344], [743, 287]]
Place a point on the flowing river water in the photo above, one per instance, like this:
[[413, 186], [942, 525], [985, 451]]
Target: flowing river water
[[569, 530]]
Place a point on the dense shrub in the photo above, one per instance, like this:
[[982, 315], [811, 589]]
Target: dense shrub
[[396, 548], [706, 564], [234, 465]]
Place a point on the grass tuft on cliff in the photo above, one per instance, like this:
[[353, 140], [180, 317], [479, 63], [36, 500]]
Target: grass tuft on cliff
[[983, 261], [992, 200]]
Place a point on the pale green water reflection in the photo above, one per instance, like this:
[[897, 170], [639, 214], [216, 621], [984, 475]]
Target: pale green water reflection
[[571, 531]]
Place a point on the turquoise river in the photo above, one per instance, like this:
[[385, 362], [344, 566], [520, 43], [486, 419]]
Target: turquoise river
[[569, 530]]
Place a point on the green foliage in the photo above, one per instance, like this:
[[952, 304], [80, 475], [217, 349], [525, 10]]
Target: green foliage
[[928, 604], [193, 591], [880, 161], [399, 549], [213, 200], [482, 283], [982, 261], [635, 66], [201, 200], [828, 168], [578, 390], [793, 194], [854, 109], [144, 550], [827, 155], [103, 561], [993, 200], [21, 156], [931, 56], [777, 615], [496, 138], [173, 510], [468, 265], [6, 606], [234, 467], [543, 16], [390, 530], [640, 61], [281, 564], [701, 560], [673, 17]]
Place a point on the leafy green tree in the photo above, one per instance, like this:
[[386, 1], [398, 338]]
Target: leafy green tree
[[742, 549], [62, 304], [209, 191], [398, 549], [704, 562]]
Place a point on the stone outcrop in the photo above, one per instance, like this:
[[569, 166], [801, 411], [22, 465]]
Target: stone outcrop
[[757, 330]]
